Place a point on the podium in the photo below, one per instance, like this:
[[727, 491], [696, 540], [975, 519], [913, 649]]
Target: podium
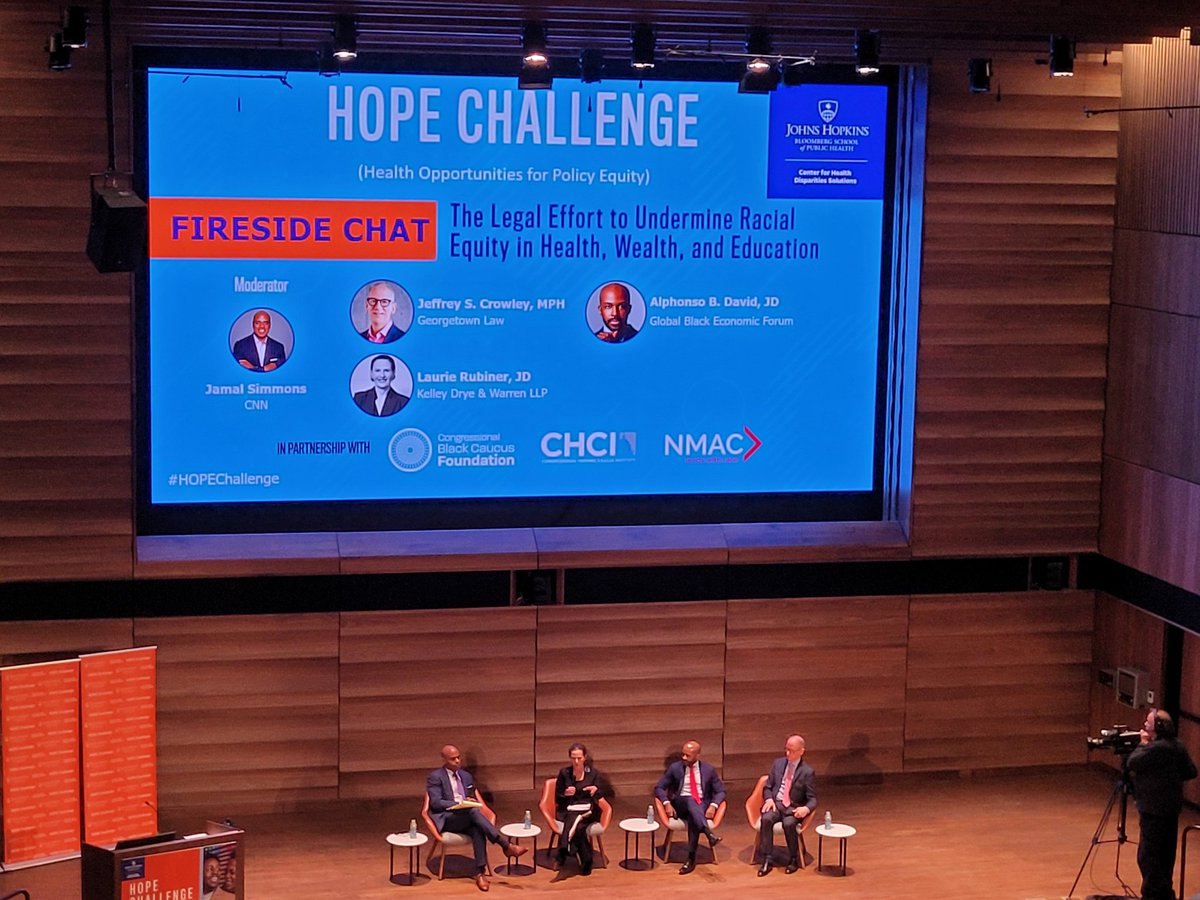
[[193, 865]]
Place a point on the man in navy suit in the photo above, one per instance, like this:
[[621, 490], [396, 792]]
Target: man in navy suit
[[447, 786], [694, 790], [789, 796], [259, 352]]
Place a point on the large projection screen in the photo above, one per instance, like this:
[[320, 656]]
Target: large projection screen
[[415, 299]]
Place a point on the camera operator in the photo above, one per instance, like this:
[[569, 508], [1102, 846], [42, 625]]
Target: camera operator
[[1159, 768]]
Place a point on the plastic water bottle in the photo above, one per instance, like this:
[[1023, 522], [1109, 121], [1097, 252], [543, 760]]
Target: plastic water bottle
[[412, 828], [528, 821], [650, 814], [828, 820]]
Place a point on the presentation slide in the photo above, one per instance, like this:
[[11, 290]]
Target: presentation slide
[[433, 287]]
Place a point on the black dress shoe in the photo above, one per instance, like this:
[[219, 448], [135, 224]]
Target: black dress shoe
[[713, 839], [792, 868], [687, 867], [764, 868]]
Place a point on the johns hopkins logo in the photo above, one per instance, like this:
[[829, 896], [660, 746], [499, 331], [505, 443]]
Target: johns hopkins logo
[[828, 110]]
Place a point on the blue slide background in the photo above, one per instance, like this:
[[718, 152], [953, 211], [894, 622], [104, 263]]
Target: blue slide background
[[805, 385]]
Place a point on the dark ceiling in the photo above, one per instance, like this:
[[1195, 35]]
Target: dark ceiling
[[911, 32]]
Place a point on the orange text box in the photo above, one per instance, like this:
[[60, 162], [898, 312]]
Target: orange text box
[[204, 228]]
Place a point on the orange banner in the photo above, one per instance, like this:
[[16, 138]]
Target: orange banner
[[39, 760], [218, 228], [119, 740]]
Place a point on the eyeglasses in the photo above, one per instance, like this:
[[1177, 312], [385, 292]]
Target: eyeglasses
[[379, 301]]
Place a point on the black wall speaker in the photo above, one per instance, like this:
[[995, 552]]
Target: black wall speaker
[[117, 236]]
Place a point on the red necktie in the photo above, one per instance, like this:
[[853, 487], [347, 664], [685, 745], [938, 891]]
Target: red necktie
[[696, 782], [785, 793]]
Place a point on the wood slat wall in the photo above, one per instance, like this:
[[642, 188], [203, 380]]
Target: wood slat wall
[[997, 680], [1151, 514], [276, 712], [831, 669], [633, 682], [247, 709], [1014, 297], [65, 360], [414, 681]]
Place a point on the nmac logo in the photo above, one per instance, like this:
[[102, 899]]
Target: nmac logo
[[707, 446]]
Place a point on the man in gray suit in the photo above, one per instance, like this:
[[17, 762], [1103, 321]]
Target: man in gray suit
[[789, 797]]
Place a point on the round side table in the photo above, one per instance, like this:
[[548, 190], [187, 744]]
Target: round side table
[[515, 833], [414, 843], [840, 833], [637, 826]]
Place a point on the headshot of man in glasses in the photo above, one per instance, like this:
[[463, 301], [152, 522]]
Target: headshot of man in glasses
[[383, 303]]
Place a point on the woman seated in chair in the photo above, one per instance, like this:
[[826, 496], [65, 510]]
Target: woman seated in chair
[[577, 794]]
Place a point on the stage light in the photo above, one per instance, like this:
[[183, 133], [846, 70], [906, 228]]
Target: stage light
[[759, 49], [74, 27], [643, 47], [762, 69], [979, 75], [59, 53], [591, 65], [1062, 56], [866, 52], [345, 38], [533, 43]]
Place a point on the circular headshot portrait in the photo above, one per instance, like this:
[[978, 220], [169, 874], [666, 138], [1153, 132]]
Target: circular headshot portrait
[[381, 311], [261, 340], [616, 312], [381, 385]]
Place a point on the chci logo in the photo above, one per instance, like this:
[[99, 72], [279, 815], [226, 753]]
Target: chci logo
[[828, 110]]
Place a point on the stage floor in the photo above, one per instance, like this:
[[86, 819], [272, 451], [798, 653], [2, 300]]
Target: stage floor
[[1017, 835]]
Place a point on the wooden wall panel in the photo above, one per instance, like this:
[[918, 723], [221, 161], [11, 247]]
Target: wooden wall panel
[[65, 362], [27, 642], [997, 680], [1153, 411], [633, 682], [1152, 523], [1014, 283], [414, 681], [1189, 707], [247, 710], [1124, 636], [1151, 514], [830, 669], [1159, 189], [1157, 270]]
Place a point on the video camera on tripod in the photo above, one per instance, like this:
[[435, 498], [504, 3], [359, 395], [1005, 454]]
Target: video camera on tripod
[[1119, 739]]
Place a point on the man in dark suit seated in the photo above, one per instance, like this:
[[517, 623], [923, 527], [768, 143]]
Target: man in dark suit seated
[[789, 796], [694, 790], [448, 786], [259, 352], [381, 399]]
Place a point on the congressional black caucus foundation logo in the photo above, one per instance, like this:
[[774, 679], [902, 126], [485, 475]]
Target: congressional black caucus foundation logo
[[410, 450]]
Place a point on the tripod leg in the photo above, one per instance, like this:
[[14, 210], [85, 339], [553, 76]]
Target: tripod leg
[[1117, 791]]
